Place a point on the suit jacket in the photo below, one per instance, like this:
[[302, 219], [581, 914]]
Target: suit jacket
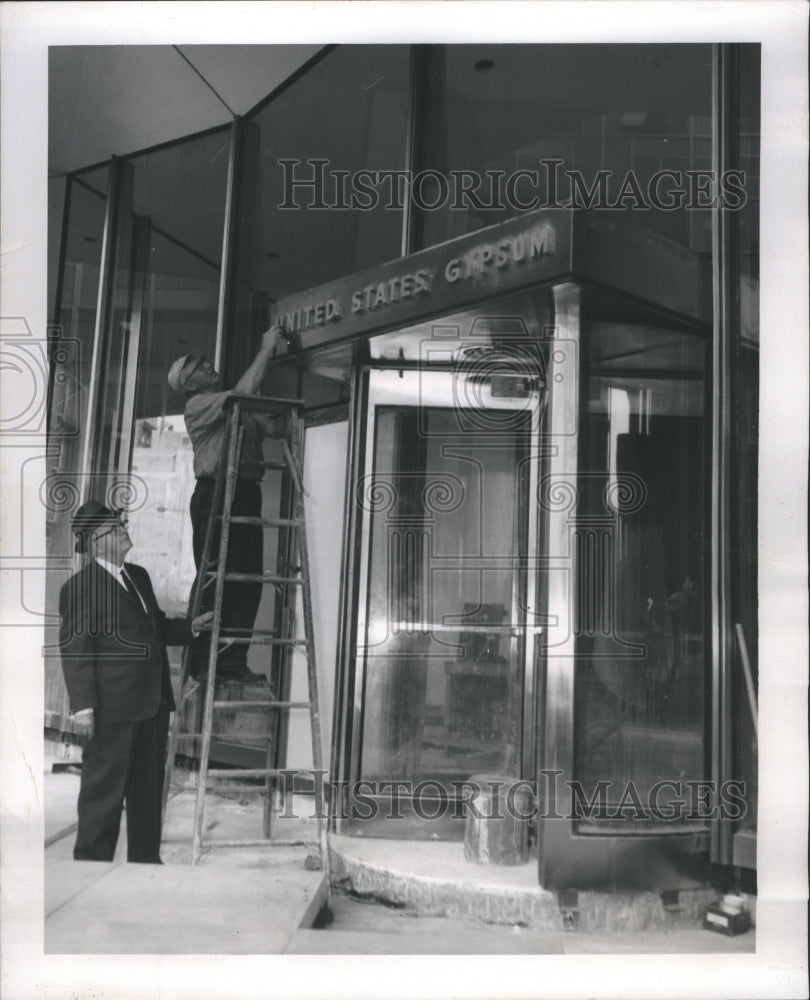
[[113, 652]]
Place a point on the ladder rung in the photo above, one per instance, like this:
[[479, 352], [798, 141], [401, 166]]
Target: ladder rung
[[245, 703], [268, 522], [244, 772], [232, 736], [257, 772], [234, 633], [261, 578], [264, 641], [274, 465], [259, 843], [241, 789]]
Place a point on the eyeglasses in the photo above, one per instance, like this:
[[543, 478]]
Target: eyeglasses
[[121, 523], [201, 364]]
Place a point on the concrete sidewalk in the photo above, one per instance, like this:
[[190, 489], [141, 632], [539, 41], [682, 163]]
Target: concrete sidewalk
[[246, 901], [361, 927], [265, 900]]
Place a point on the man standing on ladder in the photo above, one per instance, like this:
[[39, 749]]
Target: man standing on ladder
[[205, 419]]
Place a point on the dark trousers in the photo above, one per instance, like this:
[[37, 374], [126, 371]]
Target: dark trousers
[[240, 601], [122, 762]]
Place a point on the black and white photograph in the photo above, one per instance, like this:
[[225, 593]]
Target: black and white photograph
[[404, 536]]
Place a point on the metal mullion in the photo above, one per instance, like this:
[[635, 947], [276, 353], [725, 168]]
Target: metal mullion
[[416, 142], [107, 454], [139, 261], [53, 333], [337, 762], [228, 236], [101, 332], [723, 317], [531, 595], [346, 716], [60, 273], [559, 664]]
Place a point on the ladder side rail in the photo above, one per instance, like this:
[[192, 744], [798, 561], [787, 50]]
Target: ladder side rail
[[296, 435], [234, 439], [283, 653], [200, 583], [321, 802]]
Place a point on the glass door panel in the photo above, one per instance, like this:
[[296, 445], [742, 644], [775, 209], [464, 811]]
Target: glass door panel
[[447, 498], [640, 672], [440, 603]]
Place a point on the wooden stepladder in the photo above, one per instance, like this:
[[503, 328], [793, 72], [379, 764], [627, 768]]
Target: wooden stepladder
[[293, 588]]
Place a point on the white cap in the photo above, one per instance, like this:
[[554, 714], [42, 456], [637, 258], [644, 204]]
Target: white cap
[[176, 382]]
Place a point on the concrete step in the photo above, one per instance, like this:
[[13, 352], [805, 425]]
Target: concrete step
[[434, 879]]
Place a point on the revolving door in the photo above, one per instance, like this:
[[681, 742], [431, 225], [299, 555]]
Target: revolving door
[[531, 572], [531, 569], [624, 760]]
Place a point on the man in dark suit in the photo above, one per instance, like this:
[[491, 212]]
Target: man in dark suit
[[113, 640]]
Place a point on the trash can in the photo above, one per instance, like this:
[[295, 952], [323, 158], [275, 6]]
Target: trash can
[[496, 823]]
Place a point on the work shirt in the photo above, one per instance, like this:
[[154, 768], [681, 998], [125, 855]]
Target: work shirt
[[206, 423]]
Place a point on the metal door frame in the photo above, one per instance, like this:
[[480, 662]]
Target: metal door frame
[[566, 860], [416, 387]]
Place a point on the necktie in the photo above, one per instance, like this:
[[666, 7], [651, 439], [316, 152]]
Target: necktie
[[133, 590]]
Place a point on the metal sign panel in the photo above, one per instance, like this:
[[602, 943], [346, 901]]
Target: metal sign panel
[[537, 248]]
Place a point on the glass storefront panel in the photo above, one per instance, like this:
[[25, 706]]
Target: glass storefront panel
[[179, 317], [640, 674], [75, 315], [165, 249], [350, 111], [171, 307], [616, 116], [75, 300]]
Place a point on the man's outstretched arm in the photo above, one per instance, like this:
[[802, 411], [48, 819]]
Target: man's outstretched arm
[[273, 343]]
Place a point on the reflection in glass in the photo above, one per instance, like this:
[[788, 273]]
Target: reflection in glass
[[639, 550], [179, 318], [349, 112], [76, 316], [443, 679], [165, 304], [71, 364], [615, 108]]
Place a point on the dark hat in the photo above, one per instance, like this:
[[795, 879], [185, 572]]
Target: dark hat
[[88, 517]]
